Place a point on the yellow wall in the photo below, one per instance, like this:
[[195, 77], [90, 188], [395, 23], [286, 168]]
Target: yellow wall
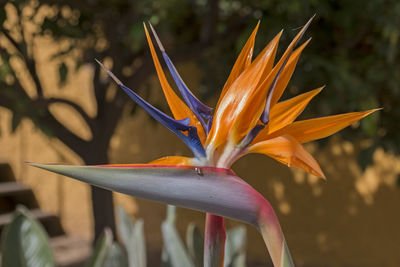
[[352, 219]]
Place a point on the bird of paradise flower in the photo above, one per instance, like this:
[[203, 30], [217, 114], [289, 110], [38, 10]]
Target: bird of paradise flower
[[248, 119]]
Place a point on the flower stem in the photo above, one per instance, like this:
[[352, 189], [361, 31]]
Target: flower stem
[[214, 241]]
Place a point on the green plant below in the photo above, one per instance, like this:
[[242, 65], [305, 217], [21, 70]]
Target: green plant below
[[25, 243]]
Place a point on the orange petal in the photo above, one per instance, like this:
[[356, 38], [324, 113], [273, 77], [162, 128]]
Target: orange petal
[[288, 151], [288, 68], [243, 60], [309, 130], [252, 110], [164, 161], [172, 160], [287, 74], [284, 113], [178, 108], [239, 94], [288, 62]]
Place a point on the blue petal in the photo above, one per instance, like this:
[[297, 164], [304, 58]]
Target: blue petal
[[185, 121], [192, 140], [251, 135], [199, 109]]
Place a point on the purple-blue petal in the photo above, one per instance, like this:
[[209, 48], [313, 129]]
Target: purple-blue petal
[[192, 140], [199, 109], [251, 135], [176, 126], [187, 95]]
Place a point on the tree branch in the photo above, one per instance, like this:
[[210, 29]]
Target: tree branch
[[13, 42], [29, 62], [15, 98], [75, 106], [100, 89]]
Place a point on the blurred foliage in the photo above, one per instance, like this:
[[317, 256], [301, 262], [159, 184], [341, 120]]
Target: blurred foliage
[[26, 244], [355, 47]]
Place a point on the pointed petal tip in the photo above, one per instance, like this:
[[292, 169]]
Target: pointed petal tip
[[156, 37], [305, 27], [278, 37], [315, 91], [257, 26], [303, 45], [320, 174], [318, 90], [317, 171], [33, 164], [48, 167], [368, 112], [109, 73], [39, 165], [310, 20]]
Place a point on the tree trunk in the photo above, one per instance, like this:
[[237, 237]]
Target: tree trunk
[[102, 200]]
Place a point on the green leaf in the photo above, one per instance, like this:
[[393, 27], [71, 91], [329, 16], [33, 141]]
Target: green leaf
[[62, 72], [174, 247], [132, 236], [171, 218], [235, 247], [116, 257], [25, 243], [165, 259], [195, 244], [101, 250], [171, 214]]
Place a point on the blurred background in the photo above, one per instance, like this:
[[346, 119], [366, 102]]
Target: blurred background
[[56, 106]]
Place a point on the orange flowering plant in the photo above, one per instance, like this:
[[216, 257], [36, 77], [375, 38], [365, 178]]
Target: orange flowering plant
[[248, 118]]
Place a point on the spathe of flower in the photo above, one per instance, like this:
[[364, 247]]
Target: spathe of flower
[[248, 119], [205, 189]]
